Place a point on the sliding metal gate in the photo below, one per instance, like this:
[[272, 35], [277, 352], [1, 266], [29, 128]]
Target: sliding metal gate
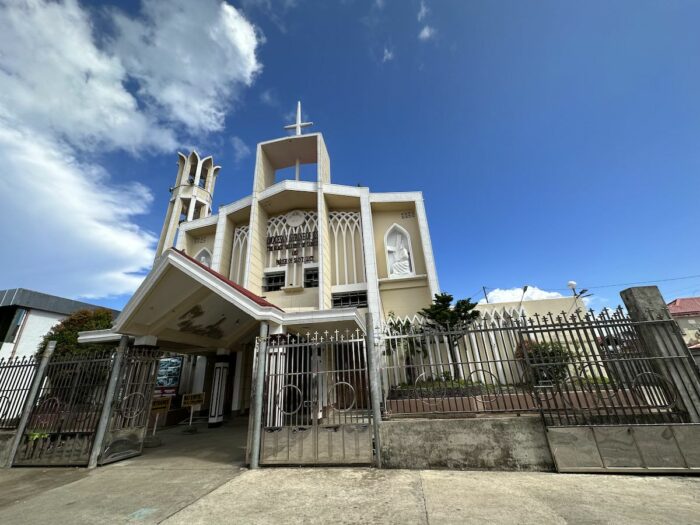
[[609, 400], [64, 415], [316, 402]]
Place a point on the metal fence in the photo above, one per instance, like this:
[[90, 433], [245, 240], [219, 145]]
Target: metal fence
[[576, 369], [598, 369], [451, 371], [63, 417], [16, 374]]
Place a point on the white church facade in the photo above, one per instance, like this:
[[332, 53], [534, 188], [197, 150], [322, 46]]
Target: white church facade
[[294, 256]]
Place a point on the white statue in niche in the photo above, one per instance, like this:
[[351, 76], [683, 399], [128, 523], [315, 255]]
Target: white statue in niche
[[204, 257], [398, 255]]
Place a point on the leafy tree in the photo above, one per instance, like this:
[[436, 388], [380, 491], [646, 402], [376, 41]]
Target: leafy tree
[[444, 317], [65, 333], [76, 384]]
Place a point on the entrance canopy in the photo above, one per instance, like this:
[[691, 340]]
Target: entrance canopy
[[186, 305]]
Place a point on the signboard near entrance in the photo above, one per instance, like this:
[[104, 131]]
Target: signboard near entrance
[[161, 404], [190, 400]]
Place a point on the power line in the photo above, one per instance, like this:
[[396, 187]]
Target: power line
[[638, 282]]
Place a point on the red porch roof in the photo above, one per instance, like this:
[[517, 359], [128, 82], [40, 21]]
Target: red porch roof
[[256, 298]]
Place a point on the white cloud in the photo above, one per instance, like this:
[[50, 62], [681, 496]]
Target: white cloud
[[426, 33], [190, 59], [269, 98], [380, 4], [55, 79], [423, 11], [69, 228], [510, 295], [240, 149], [388, 55]]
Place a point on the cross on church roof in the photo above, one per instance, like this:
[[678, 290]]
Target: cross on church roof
[[299, 124]]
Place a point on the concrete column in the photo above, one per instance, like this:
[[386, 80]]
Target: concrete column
[[257, 396], [375, 386], [31, 398], [200, 370], [190, 209], [218, 388], [236, 397], [661, 337]]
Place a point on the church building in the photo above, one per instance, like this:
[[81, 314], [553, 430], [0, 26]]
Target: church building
[[300, 254]]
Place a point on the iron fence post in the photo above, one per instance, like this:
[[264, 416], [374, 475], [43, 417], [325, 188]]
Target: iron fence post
[[31, 398], [374, 385], [258, 396], [109, 402]]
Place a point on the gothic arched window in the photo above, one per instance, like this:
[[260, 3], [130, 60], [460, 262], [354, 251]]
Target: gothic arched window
[[204, 257], [399, 255]]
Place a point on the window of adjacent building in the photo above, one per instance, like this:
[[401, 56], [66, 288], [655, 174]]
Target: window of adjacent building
[[13, 322], [311, 278], [350, 299], [273, 281]]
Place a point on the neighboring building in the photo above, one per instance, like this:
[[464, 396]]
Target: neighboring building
[[301, 254], [26, 317], [686, 312], [534, 307]]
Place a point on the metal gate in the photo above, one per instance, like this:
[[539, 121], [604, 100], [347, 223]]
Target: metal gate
[[63, 417], [131, 407], [316, 401], [612, 398]]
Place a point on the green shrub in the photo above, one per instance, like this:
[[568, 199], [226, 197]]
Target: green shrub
[[547, 361]]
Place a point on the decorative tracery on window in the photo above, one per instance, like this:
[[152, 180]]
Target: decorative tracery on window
[[293, 254], [277, 226], [399, 254], [347, 259], [239, 253], [204, 256]]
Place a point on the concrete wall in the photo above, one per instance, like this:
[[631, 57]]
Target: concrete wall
[[498, 443], [36, 324], [690, 328], [6, 437]]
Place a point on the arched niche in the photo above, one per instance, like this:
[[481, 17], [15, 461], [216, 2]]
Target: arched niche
[[192, 164], [399, 252], [204, 257], [207, 165]]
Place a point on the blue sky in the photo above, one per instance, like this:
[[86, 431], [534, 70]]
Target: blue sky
[[552, 140]]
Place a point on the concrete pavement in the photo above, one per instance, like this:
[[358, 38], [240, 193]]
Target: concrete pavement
[[443, 497], [205, 495], [198, 479]]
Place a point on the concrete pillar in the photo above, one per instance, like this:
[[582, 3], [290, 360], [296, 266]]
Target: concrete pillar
[[218, 388], [661, 337], [236, 397], [375, 385], [190, 209], [257, 396]]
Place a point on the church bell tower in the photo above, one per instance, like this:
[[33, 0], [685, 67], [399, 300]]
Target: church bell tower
[[190, 198]]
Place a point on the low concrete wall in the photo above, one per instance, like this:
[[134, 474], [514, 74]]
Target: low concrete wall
[[495, 443], [6, 438]]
